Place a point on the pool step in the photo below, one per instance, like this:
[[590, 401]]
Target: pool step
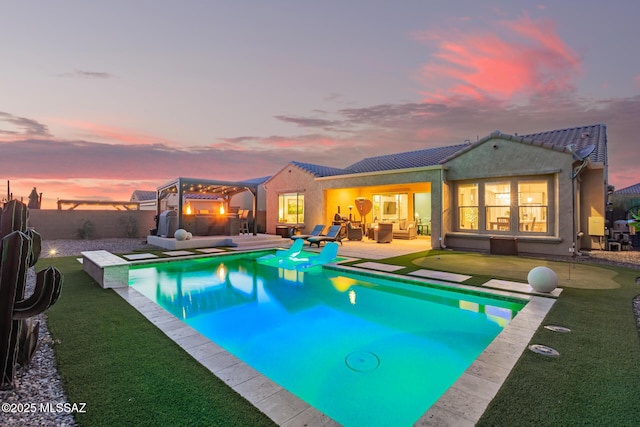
[[245, 242]]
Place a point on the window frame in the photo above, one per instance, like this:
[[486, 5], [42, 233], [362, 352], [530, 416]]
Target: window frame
[[468, 208], [548, 206], [284, 205]]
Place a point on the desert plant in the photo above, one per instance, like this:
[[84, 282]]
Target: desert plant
[[20, 251], [28, 341], [86, 230], [130, 224]]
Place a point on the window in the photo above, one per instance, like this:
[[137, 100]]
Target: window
[[532, 206], [390, 207], [509, 206], [497, 200], [468, 206], [291, 208]]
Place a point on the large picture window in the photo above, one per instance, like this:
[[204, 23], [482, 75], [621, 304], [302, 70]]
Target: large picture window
[[468, 206], [509, 206], [390, 207], [291, 208], [532, 206], [497, 199]]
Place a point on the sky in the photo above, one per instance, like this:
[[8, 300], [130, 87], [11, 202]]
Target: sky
[[98, 99]]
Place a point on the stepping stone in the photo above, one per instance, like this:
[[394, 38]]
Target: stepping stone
[[210, 250], [506, 285], [379, 266], [133, 257], [178, 253], [441, 275]]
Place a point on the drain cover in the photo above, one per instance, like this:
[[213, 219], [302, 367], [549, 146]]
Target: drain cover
[[556, 328], [362, 361], [544, 350]]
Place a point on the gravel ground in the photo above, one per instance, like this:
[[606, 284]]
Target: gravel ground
[[40, 383]]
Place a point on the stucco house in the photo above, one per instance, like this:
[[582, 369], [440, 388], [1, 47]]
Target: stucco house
[[546, 192]]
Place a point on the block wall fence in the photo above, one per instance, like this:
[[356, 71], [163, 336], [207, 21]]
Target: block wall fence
[[65, 224]]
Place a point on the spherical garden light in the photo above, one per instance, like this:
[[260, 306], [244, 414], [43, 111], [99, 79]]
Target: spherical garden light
[[542, 279], [181, 234]]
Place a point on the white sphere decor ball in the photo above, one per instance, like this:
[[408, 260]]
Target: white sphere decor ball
[[180, 234], [189, 235], [543, 279]]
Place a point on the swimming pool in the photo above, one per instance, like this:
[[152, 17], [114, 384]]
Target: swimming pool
[[364, 351]]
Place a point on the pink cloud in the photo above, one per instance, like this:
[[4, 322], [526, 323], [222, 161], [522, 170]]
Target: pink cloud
[[529, 59], [302, 143], [115, 135]]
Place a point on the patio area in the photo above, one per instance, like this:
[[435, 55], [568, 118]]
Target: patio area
[[364, 248]]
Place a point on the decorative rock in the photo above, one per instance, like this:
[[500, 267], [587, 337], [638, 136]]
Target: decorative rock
[[181, 234], [542, 279], [189, 235]]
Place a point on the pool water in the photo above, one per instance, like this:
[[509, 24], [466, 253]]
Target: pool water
[[362, 350]]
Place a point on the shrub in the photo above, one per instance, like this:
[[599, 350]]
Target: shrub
[[130, 225], [86, 230]]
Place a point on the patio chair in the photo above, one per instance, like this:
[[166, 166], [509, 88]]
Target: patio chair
[[333, 235], [293, 251], [353, 233], [243, 215], [327, 254], [384, 233], [317, 230]]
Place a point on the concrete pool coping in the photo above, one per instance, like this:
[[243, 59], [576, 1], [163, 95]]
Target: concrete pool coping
[[461, 405]]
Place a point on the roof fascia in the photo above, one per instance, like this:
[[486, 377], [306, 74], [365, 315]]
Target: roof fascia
[[385, 172]]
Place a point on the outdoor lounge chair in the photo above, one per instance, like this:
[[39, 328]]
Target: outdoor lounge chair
[[293, 251], [317, 230], [333, 235], [327, 254]]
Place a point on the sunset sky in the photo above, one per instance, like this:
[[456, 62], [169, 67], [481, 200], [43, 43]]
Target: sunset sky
[[98, 99]]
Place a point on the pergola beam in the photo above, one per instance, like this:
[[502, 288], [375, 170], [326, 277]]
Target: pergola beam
[[116, 204]]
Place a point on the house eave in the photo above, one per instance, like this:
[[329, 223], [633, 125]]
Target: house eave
[[384, 172]]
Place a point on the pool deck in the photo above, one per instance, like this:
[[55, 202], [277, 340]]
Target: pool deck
[[462, 405]]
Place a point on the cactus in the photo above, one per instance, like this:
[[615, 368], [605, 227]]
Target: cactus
[[20, 251]]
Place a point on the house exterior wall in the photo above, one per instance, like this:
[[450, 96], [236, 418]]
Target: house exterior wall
[[499, 158], [292, 179], [592, 205]]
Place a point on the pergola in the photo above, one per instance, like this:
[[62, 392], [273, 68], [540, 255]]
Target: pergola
[[126, 205], [224, 189]]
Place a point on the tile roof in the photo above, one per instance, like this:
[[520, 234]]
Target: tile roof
[[260, 180], [409, 159], [577, 138], [570, 139], [142, 195], [320, 171], [633, 190]]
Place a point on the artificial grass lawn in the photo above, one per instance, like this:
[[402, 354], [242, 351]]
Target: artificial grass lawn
[[126, 370]]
